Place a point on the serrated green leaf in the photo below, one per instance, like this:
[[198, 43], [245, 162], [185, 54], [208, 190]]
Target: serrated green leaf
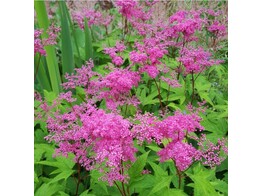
[[202, 178], [154, 148], [158, 171], [63, 175], [136, 169], [48, 189], [173, 192], [163, 182], [220, 185], [49, 96], [62, 193]]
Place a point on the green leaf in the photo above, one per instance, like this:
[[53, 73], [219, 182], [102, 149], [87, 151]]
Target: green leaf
[[48, 189], [63, 163], [220, 185], [63, 175], [202, 181], [49, 96], [143, 182], [85, 193], [163, 182], [88, 42], [99, 187], [150, 98], [41, 75], [173, 192], [45, 148], [154, 147], [62, 193], [36, 180], [158, 171], [67, 50], [136, 169]]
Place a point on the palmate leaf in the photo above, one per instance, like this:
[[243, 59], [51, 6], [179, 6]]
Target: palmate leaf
[[205, 182], [145, 99]]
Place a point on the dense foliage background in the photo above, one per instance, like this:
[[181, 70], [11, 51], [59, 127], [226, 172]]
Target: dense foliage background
[[147, 115]]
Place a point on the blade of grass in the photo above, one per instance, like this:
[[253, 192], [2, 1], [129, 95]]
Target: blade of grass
[[88, 42], [41, 75], [78, 64], [67, 50], [52, 64]]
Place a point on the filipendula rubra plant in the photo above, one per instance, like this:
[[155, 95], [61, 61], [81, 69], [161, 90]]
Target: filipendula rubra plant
[[97, 127]]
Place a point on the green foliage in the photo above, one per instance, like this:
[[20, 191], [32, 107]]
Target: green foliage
[[137, 168], [67, 50], [62, 176], [205, 181]]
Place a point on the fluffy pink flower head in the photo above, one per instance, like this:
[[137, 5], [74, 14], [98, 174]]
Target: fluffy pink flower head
[[93, 17], [196, 59], [217, 28], [185, 22], [82, 76], [151, 70], [182, 153], [97, 139], [174, 127], [38, 45], [52, 32], [119, 82], [211, 154], [114, 53]]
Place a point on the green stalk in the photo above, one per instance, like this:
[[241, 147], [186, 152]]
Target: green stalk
[[88, 42], [52, 64], [67, 50]]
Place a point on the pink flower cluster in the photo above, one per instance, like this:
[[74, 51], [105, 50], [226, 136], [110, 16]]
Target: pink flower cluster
[[116, 59], [187, 23], [52, 33], [93, 17], [148, 56], [176, 129], [119, 83], [98, 140], [196, 59], [211, 154], [217, 29], [38, 45], [182, 153], [131, 9], [114, 88]]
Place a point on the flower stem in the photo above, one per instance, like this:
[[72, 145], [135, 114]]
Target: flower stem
[[119, 189], [79, 177]]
